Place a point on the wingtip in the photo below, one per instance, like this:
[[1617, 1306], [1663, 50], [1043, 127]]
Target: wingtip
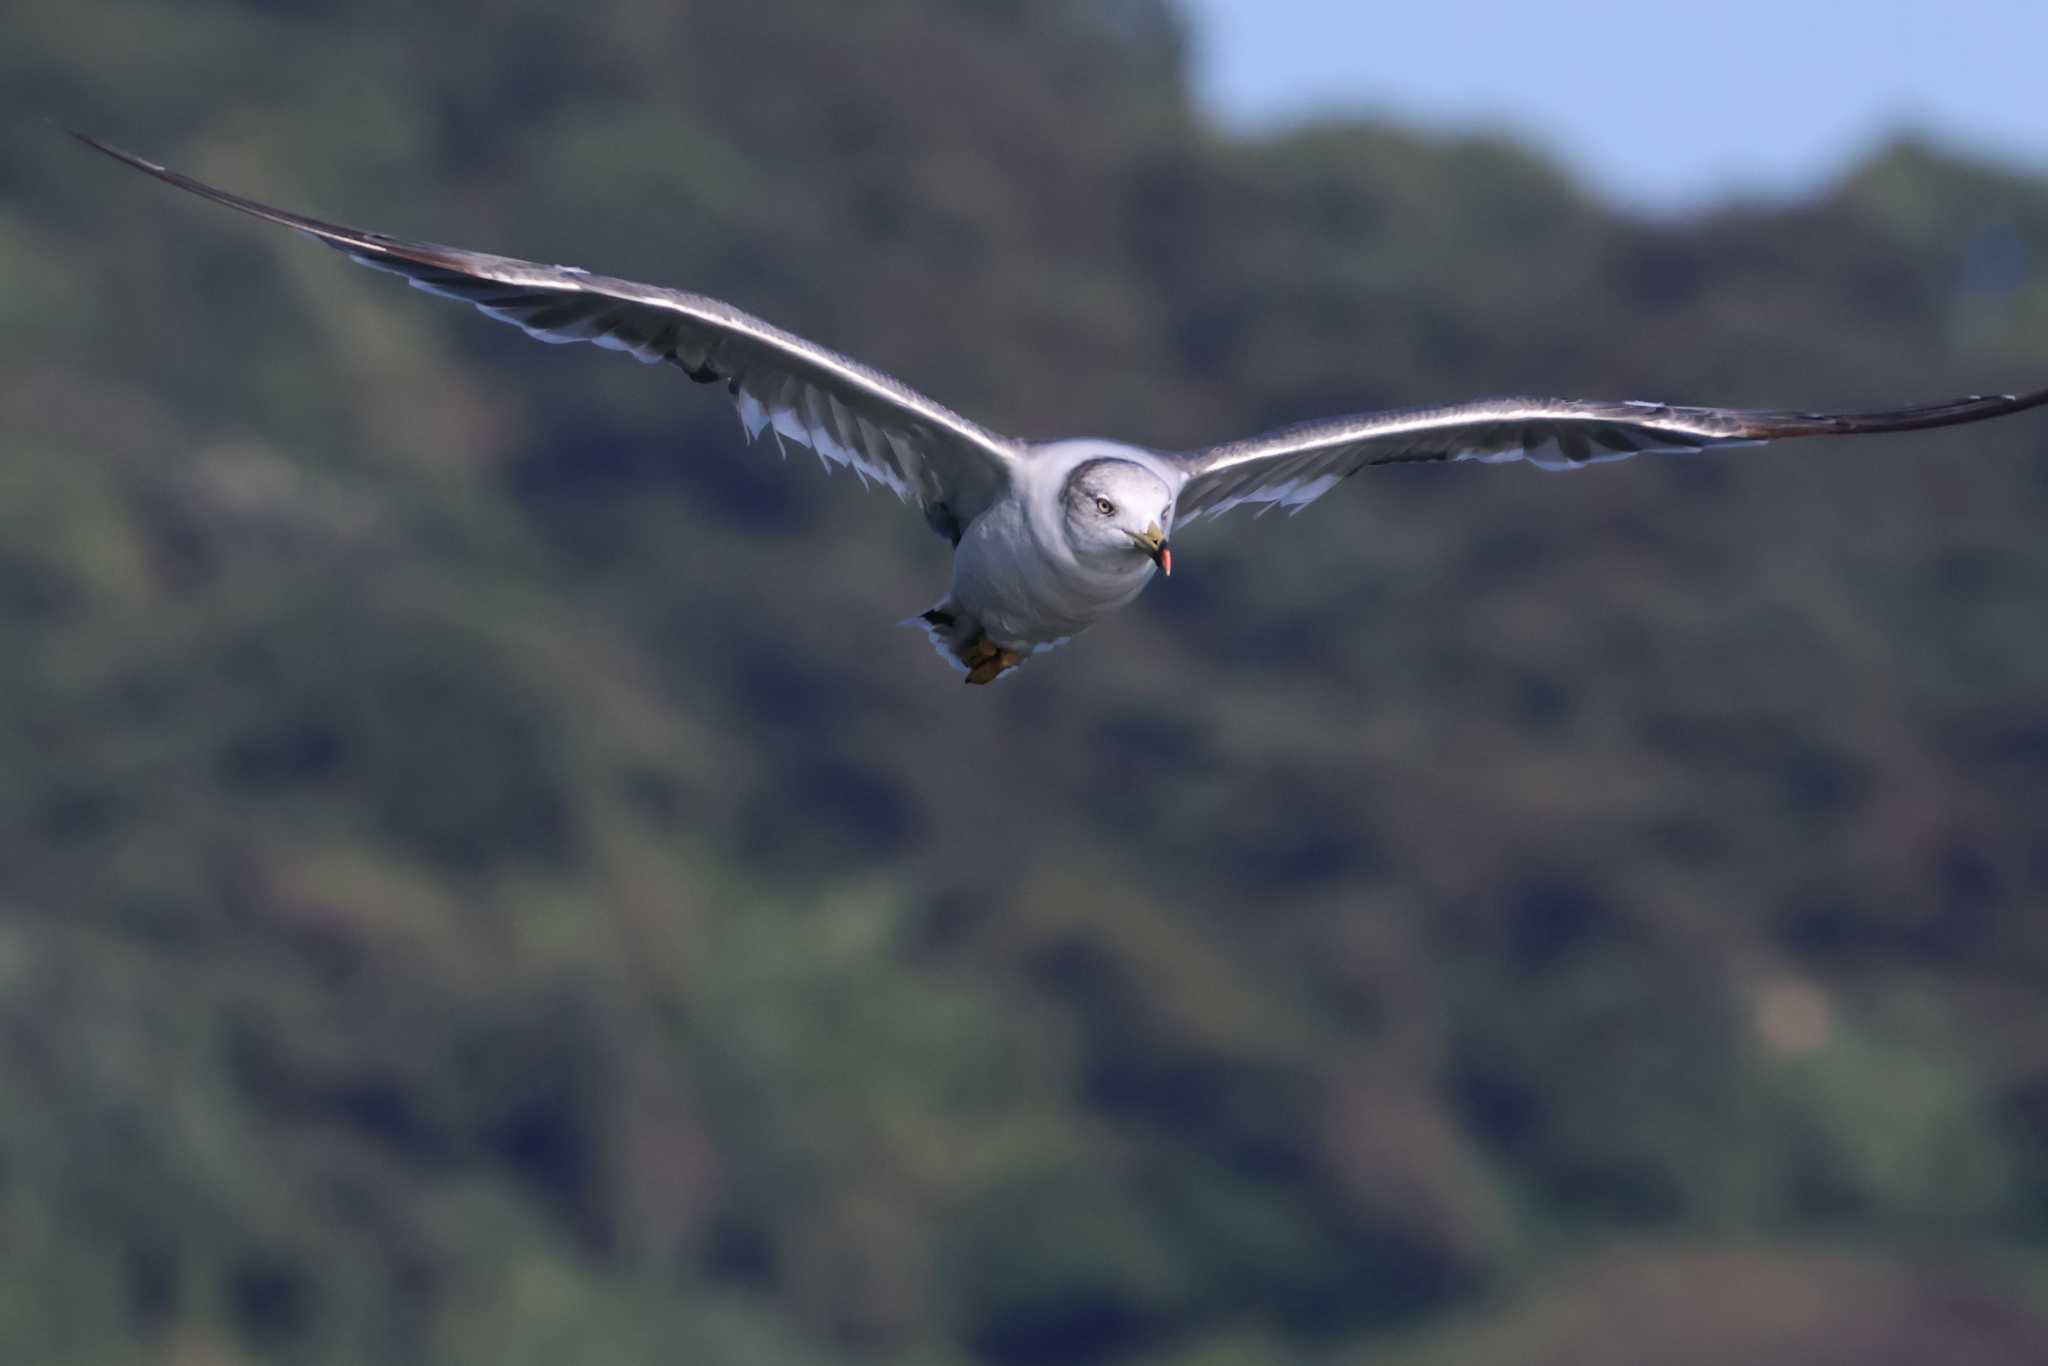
[[108, 148]]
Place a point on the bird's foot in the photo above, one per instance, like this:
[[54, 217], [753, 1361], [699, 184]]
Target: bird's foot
[[986, 661]]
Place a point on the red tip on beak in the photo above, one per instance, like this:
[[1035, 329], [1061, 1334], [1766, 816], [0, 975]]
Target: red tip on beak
[[1166, 560]]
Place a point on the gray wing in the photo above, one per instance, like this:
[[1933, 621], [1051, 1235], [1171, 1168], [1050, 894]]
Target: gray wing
[[1297, 465], [843, 410]]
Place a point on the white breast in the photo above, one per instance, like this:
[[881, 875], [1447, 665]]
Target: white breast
[[1014, 572]]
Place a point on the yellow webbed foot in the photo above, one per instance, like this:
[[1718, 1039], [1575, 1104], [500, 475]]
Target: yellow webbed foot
[[986, 661]]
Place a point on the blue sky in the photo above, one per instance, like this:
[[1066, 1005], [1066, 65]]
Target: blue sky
[[1659, 106]]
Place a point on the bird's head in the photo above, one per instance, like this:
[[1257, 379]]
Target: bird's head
[[1116, 510]]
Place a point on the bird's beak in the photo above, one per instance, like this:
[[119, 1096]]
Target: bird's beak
[[1153, 542]]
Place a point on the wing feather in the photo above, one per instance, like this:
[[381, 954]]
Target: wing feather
[[1294, 466], [850, 414]]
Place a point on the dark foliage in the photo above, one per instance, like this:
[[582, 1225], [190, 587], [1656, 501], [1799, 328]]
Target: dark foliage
[[481, 879]]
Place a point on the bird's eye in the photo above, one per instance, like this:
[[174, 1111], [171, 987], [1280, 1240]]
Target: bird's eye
[[1105, 507]]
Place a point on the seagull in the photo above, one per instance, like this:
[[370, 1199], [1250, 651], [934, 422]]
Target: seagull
[[1048, 537]]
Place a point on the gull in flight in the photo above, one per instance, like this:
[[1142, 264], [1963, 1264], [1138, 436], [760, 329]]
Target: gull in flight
[[1048, 537]]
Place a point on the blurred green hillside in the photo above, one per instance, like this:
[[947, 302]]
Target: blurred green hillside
[[481, 879]]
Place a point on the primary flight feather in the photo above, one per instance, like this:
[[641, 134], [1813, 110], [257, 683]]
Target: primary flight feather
[[1049, 537]]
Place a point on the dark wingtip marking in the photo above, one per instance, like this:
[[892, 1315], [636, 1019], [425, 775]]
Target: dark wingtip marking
[[109, 149], [357, 242]]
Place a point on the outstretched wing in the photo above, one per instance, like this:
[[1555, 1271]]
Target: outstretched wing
[[1297, 465], [846, 412]]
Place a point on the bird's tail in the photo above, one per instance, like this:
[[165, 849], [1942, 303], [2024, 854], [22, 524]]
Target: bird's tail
[[962, 642], [951, 631]]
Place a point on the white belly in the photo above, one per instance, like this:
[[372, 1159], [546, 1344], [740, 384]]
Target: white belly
[[1026, 593]]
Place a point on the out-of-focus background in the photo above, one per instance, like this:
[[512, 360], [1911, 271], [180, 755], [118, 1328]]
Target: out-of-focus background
[[481, 879]]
